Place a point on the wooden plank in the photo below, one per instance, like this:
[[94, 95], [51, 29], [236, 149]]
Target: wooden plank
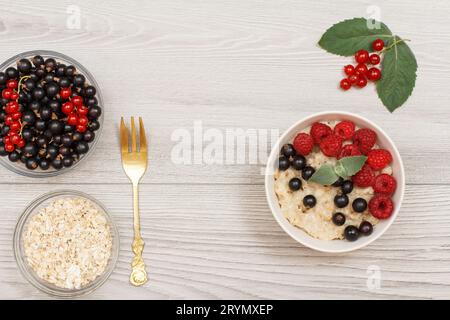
[[221, 241]]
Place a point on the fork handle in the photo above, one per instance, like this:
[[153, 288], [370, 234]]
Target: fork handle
[[138, 274]]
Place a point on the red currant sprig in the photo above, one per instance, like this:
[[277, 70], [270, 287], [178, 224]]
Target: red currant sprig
[[359, 75], [75, 110], [13, 115]]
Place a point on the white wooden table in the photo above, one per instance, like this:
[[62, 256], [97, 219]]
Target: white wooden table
[[238, 64]]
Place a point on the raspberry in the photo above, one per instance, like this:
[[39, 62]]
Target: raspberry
[[331, 145], [345, 129], [364, 178], [303, 144], [385, 184], [349, 150], [378, 158], [364, 139], [319, 131], [381, 206]]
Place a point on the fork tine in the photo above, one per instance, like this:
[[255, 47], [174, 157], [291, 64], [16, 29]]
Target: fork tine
[[142, 138], [123, 136], [133, 136]]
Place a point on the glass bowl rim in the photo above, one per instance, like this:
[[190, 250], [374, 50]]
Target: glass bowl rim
[[45, 174], [41, 284]]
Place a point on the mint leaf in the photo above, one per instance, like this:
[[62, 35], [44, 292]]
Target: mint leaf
[[340, 170], [325, 175], [351, 165], [348, 36], [398, 78]]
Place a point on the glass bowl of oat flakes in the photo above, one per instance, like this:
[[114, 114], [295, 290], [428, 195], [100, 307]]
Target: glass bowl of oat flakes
[[66, 244]]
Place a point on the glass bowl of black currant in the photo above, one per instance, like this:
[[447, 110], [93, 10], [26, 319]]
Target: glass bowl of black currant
[[51, 113]]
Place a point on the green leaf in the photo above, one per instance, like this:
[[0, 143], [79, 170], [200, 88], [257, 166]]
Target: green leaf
[[351, 165], [398, 78], [340, 170], [348, 36], [325, 175]]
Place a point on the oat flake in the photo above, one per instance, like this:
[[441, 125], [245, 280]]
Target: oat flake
[[68, 243]]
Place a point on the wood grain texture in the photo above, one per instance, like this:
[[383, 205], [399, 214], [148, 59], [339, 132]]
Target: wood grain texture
[[221, 241], [239, 64]]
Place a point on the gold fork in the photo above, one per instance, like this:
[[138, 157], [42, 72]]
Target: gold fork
[[135, 164]]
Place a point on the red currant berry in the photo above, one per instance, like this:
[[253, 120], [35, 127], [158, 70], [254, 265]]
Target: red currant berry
[[65, 93], [81, 128], [15, 126], [9, 147], [362, 82], [362, 56], [349, 69], [14, 96], [77, 101], [374, 74], [21, 143], [12, 107], [15, 139], [374, 59], [82, 121], [16, 115], [345, 84], [378, 45], [6, 139], [72, 119], [12, 83], [83, 110], [8, 120], [67, 107], [6, 93], [353, 78], [361, 69]]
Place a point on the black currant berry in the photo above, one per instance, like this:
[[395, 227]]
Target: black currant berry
[[79, 80], [50, 64], [309, 201], [57, 163], [341, 200], [29, 117], [70, 71], [90, 91], [24, 66], [38, 93], [347, 186], [46, 113], [55, 126], [82, 147], [299, 162], [366, 228], [67, 162], [295, 184], [338, 218], [89, 136], [12, 73], [31, 163], [94, 112], [351, 233], [359, 205], [44, 164], [94, 125], [38, 61], [52, 89], [288, 150], [64, 82], [30, 149], [14, 156], [307, 172]]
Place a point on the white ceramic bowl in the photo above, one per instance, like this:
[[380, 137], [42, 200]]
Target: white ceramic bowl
[[334, 246]]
